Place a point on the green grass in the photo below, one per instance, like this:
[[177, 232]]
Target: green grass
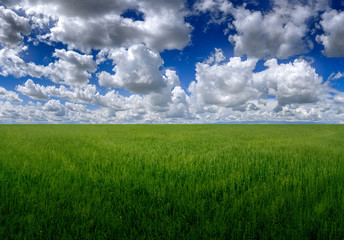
[[171, 182]]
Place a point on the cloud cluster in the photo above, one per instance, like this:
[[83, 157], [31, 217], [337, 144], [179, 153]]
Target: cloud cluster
[[158, 102], [12, 27], [234, 84], [291, 83], [111, 107], [130, 34], [280, 33], [103, 24], [52, 111], [136, 69], [333, 38], [72, 68], [223, 91], [139, 70], [12, 64], [219, 9], [223, 84], [33, 90], [9, 95]]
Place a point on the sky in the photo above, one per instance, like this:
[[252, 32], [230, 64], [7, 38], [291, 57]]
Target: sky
[[163, 61]]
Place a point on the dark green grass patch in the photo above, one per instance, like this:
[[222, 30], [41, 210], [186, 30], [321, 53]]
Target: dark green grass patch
[[171, 182]]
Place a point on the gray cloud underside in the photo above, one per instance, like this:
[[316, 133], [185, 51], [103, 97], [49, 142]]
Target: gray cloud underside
[[101, 24], [12, 27]]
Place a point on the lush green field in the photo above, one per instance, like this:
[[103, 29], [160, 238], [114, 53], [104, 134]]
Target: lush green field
[[171, 182]]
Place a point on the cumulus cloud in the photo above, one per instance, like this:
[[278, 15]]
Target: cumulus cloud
[[290, 83], [223, 84], [9, 95], [316, 5], [54, 106], [227, 7], [136, 110], [33, 90], [333, 38], [80, 8], [136, 69], [234, 85], [179, 105], [213, 6], [12, 64], [159, 100], [103, 23], [87, 94], [55, 112], [12, 27], [280, 33], [219, 9], [76, 107], [72, 68], [172, 102]]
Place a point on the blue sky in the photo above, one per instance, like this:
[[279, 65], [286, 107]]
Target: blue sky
[[147, 61]]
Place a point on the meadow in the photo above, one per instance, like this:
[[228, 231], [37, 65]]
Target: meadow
[[171, 182]]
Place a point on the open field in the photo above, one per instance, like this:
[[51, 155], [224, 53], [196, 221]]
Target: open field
[[171, 181]]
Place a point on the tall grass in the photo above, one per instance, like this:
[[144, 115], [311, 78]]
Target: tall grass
[[171, 182]]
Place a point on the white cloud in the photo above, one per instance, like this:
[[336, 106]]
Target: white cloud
[[159, 100], [52, 112], [9, 95], [322, 111], [72, 68], [12, 64], [54, 106], [223, 84], [337, 76], [220, 10], [12, 27], [316, 5], [88, 94], [101, 24], [75, 107], [339, 98], [233, 85], [295, 82], [333, 38], [80, 8], [213, 6], [137, 69], [280, 33], [159, 106], [80, 95], [33, 90], [179, 105], [216, 57]]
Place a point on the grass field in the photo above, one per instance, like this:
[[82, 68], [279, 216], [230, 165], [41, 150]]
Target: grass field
[[171, 182]]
